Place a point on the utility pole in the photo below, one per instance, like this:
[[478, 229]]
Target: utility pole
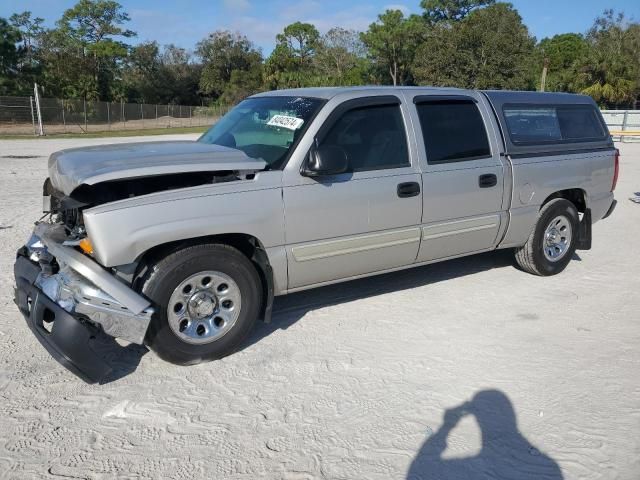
[[543, 78]]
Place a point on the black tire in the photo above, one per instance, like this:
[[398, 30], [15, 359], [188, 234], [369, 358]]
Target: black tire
[[531, 257], [161, 279]]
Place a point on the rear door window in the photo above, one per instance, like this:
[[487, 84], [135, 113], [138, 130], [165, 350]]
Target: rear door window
[[453, 131], [536, 124]]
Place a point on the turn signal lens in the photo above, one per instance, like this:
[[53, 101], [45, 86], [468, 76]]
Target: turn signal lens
[[85, 246]]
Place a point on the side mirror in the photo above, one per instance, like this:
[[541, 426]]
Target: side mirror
[[326, 160]]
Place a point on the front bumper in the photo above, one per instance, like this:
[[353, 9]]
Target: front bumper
[[67, 308], [68, 339]]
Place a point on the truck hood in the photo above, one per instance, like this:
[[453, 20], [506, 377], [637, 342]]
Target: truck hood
[[68, 169]]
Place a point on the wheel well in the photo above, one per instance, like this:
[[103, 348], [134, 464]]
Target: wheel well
[[245, 243], [576, 196], [249, 245]]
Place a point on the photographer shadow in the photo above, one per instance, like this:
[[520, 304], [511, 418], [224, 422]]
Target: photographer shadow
[[505, 453]]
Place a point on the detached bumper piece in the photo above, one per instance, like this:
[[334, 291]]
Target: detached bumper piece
[[65, 337]]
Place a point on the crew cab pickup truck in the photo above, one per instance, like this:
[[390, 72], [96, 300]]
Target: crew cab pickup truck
[[182, 246]]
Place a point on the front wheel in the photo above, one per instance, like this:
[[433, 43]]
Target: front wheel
[[552, 242], [207, 299]]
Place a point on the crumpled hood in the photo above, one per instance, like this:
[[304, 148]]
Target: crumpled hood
[[68, 169]]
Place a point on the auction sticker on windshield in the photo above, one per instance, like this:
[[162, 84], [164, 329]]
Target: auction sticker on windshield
[[285, 121]]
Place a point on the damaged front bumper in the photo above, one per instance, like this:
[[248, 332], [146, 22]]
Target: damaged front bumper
[[66, 298]]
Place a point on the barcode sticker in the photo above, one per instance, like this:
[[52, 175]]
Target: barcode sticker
[[284, 121]]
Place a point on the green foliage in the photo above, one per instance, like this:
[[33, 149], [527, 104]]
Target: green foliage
[[30, 29], [290, 65], [392, 43], [298, 43], [183, 72], [489, 48], [242, 84], [436, 11], [341, 58], [611, 71], [155, 75], [143, 76], [231, 63], [459, 43], [10, 56], [563, 55], [82, 56]]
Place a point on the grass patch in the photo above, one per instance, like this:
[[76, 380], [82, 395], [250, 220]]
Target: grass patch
[[112, 133]]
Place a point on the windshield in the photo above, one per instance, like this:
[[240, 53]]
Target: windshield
[[264, 127]]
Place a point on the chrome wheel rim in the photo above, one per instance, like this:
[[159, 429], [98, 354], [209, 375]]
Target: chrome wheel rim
[[557, 238], [204, 307]]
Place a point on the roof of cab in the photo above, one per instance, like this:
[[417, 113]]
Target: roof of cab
[[497, 97], [330, 92]]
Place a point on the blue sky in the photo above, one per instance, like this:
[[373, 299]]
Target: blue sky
[[185, 22]]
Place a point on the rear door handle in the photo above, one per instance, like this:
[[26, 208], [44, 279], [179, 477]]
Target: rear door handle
[[487, 180], [408, 189]]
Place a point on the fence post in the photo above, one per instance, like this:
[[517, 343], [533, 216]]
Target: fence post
[[85, 114], [624, 125], [156, 114], [108, 115], [64, 122], [33, 118], [142, 113], [124, 124], [190, 117], [37, 95], [168, 116]]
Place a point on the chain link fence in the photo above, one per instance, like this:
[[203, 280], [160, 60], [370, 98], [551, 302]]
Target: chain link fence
[[20, 116]]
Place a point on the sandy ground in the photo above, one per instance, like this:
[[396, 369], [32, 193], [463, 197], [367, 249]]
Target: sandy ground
[[368, 379]]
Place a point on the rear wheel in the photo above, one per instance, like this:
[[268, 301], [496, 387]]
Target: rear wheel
[[552, 242], [207, 299]]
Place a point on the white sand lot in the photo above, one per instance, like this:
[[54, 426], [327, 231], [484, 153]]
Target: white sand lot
[[353, 380]]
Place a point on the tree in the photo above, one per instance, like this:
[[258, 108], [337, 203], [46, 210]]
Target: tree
[[30, 29], [142, 75], [392, 43], [87, 35], [436, 11], [291, 62], [222, 54], [611, 71], [341, 57], [562, 54], [490, 48], [241, 84], [298, 43], [10, 57], [183, 72]]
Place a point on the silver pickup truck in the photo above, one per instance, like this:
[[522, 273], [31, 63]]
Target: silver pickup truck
[[183, 245]]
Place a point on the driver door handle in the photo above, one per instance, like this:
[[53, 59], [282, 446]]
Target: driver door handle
[[408, 189]]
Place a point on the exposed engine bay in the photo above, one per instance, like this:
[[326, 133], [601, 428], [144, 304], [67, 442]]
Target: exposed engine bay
[[67, 209]]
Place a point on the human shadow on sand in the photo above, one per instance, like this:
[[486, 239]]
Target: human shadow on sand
[[290, 308], [505, 453]]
